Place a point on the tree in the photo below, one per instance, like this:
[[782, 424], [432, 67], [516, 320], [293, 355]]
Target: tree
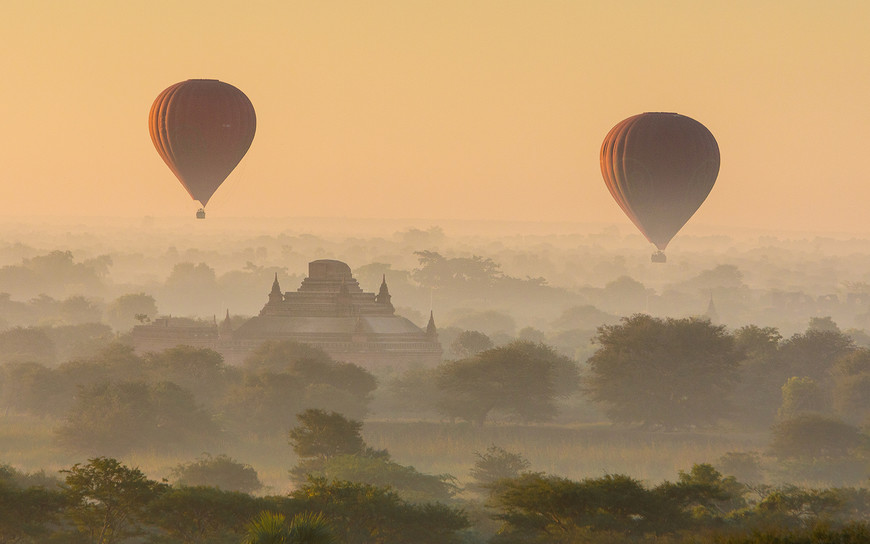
[[129, 416], [55, 272], [30, 388], [813, 436], [376, 468], [521, 379], [744, 466], [625, 295], [108, 500], [84, 340], [756, 397], [823, 324], [714, 493], [663, 372], [205, 515], [470, 343], [221, 472], [286, 356], [123, 312], [814, 353], [757, 342], [26, 512], [538, 508], [26, 345], [362, 513], [497, 464], [801, 395], [531, 334], [852, 386], [585, 317], [199, 370], [322, 435], [325, 383], [190, 288], [263, 403], [460, 273]]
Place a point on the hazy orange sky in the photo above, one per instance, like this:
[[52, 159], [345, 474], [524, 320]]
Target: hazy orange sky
[[440, 109]]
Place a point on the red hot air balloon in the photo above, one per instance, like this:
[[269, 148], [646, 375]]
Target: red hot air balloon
[[659, 167], [202, 128]]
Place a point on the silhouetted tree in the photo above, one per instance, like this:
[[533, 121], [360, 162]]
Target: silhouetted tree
[[663, 372], [26, 345], [814, 353], [470, 343], [521, 379], [27, 512], [538, 508], [199, 370], [813, 436], [222, 472], [802, 395], [496, 464], [129, 416], [757, 396], [202, 514], [376, 468], [108, 500], [852, 386], [122, 313], [322, 435]]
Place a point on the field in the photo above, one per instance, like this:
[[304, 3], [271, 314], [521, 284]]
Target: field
[[573, 451]]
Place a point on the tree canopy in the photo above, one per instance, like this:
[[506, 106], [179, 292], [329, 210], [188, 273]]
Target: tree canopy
[[522, 380], [663, 372]]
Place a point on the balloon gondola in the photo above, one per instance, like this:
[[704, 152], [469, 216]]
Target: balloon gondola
[[201, 129], [659, 167]]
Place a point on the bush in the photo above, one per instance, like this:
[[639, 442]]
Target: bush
[[221, 472]]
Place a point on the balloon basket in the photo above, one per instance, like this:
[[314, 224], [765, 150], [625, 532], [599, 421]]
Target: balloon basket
[[659, 257], [200, 214]]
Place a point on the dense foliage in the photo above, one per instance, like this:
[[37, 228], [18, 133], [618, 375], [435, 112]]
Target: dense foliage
[[663, 372]]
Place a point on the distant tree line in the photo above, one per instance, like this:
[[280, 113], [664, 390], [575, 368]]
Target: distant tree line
[[182, 398], [103, 501]]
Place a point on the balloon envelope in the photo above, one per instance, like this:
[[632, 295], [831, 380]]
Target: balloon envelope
[[202, 128], [659, 167]]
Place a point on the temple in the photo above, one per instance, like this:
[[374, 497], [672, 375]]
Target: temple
[[329, 310]]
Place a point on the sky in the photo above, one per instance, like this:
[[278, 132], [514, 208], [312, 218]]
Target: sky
[[439, 110]]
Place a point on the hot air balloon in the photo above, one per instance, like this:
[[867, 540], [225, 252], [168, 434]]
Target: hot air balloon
[[659, 167], [202, 128]]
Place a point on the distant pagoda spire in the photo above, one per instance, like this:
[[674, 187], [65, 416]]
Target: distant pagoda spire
[[383, 296], [226, 324], [711, 312], [275, 296], [431, 331]]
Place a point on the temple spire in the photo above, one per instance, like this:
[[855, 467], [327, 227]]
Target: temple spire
[[383, 296], [711, 312], [275, 296], [431, 331], [226, 324]]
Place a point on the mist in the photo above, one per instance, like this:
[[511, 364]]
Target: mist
[[791, 313]]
